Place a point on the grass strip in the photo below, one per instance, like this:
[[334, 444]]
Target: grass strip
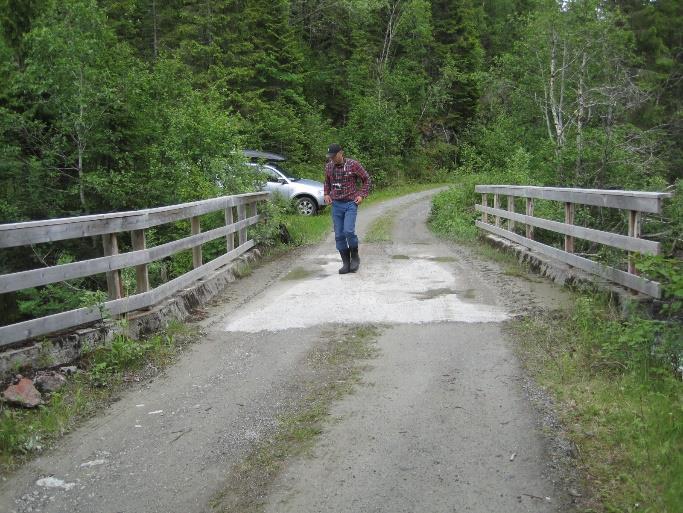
[[381, 228], [620, 402], [103, 373], [337, 365]]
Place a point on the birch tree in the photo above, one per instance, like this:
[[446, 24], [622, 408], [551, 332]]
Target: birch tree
[[573, 65], [71, 75]]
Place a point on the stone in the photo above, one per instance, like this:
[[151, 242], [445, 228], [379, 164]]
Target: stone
[[49, 382], [23, 394], [71, 369]]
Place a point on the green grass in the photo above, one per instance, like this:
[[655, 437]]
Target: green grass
[[337, 367], [622, 407], [309, 229], [25, 433], [381, 228]]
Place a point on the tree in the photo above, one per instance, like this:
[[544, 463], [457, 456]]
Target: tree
[[571, 75]]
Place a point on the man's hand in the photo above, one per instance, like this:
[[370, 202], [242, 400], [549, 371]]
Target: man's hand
[[328, 199], [358, 200]]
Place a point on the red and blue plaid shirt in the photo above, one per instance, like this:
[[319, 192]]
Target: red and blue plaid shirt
[[340, 181]]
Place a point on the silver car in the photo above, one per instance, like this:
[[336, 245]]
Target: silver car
[[308, 195]]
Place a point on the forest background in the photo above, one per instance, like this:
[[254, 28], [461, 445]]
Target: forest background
[[109, 105]]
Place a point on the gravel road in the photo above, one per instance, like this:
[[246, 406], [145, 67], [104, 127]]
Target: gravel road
[[440, 423]]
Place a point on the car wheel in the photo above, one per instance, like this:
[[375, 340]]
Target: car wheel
[[306, 206]]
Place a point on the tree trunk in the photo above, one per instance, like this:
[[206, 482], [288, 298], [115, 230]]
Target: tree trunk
[[155, 41], [80, 144], [578, 172]]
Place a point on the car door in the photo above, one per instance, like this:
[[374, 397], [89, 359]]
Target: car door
[[276, 182]]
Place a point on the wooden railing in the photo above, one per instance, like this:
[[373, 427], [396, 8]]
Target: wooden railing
[[240, 212], [635, 202]]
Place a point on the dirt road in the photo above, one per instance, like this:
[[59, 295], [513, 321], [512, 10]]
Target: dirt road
[[440, 423]]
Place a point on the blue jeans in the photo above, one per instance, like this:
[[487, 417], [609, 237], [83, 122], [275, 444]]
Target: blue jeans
[[344, 217]]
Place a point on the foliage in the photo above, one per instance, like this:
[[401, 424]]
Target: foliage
[[453, 214], [669, 272], [618, 390]]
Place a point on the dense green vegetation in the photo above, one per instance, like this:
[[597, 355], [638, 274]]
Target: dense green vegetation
[[618, 397]]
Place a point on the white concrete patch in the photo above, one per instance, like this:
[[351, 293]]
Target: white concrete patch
[[384, 291], [53, 482]]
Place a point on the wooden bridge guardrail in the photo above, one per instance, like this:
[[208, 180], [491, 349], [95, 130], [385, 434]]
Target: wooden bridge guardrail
[[240, 212], [635, 202]]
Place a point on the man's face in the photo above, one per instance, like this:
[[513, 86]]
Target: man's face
[[338, 158]]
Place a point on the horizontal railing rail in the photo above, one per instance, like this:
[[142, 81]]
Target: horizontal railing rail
[[239, 212], [635, 202]]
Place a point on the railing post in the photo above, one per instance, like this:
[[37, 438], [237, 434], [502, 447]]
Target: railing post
[[485, 203], [241, 216], [111, 248], [511, 208], [141, 273], [569, 219], [530, 213], [230, 237], [496, 205], [634, 218], [197, 250]]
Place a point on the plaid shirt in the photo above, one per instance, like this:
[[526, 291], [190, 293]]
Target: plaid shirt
[[340, 181]]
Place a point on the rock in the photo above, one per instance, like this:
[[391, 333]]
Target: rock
[[23, 394], [71, 369], [49, 382]]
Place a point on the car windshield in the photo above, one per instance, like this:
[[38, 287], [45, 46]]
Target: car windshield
[[289, 175]]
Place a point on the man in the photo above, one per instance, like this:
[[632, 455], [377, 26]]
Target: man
[[342, 193]]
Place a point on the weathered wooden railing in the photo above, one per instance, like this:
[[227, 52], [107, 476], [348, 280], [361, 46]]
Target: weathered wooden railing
[[108, 226], [634, 202]]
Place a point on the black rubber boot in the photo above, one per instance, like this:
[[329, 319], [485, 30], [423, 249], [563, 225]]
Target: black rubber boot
[[346, 260], [355, 260]]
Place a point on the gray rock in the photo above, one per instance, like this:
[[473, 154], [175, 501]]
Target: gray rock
[[49, 382], [71, 369]]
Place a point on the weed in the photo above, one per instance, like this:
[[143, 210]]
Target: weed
[[24, 433], [242, 270], [621, 404], [380, 229], [45, 357]]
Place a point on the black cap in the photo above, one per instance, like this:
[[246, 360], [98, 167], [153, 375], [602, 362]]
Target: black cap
[[333, 150]]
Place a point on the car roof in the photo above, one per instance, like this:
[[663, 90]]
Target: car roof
[[254, 154]]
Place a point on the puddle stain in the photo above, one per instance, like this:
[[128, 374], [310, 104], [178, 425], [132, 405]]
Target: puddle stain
[[323, 261], [430, 258], [434, 293], [299, 273], [467, 294], [443, 259]]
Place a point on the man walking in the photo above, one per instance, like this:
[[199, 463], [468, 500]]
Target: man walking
[[341, 191]]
